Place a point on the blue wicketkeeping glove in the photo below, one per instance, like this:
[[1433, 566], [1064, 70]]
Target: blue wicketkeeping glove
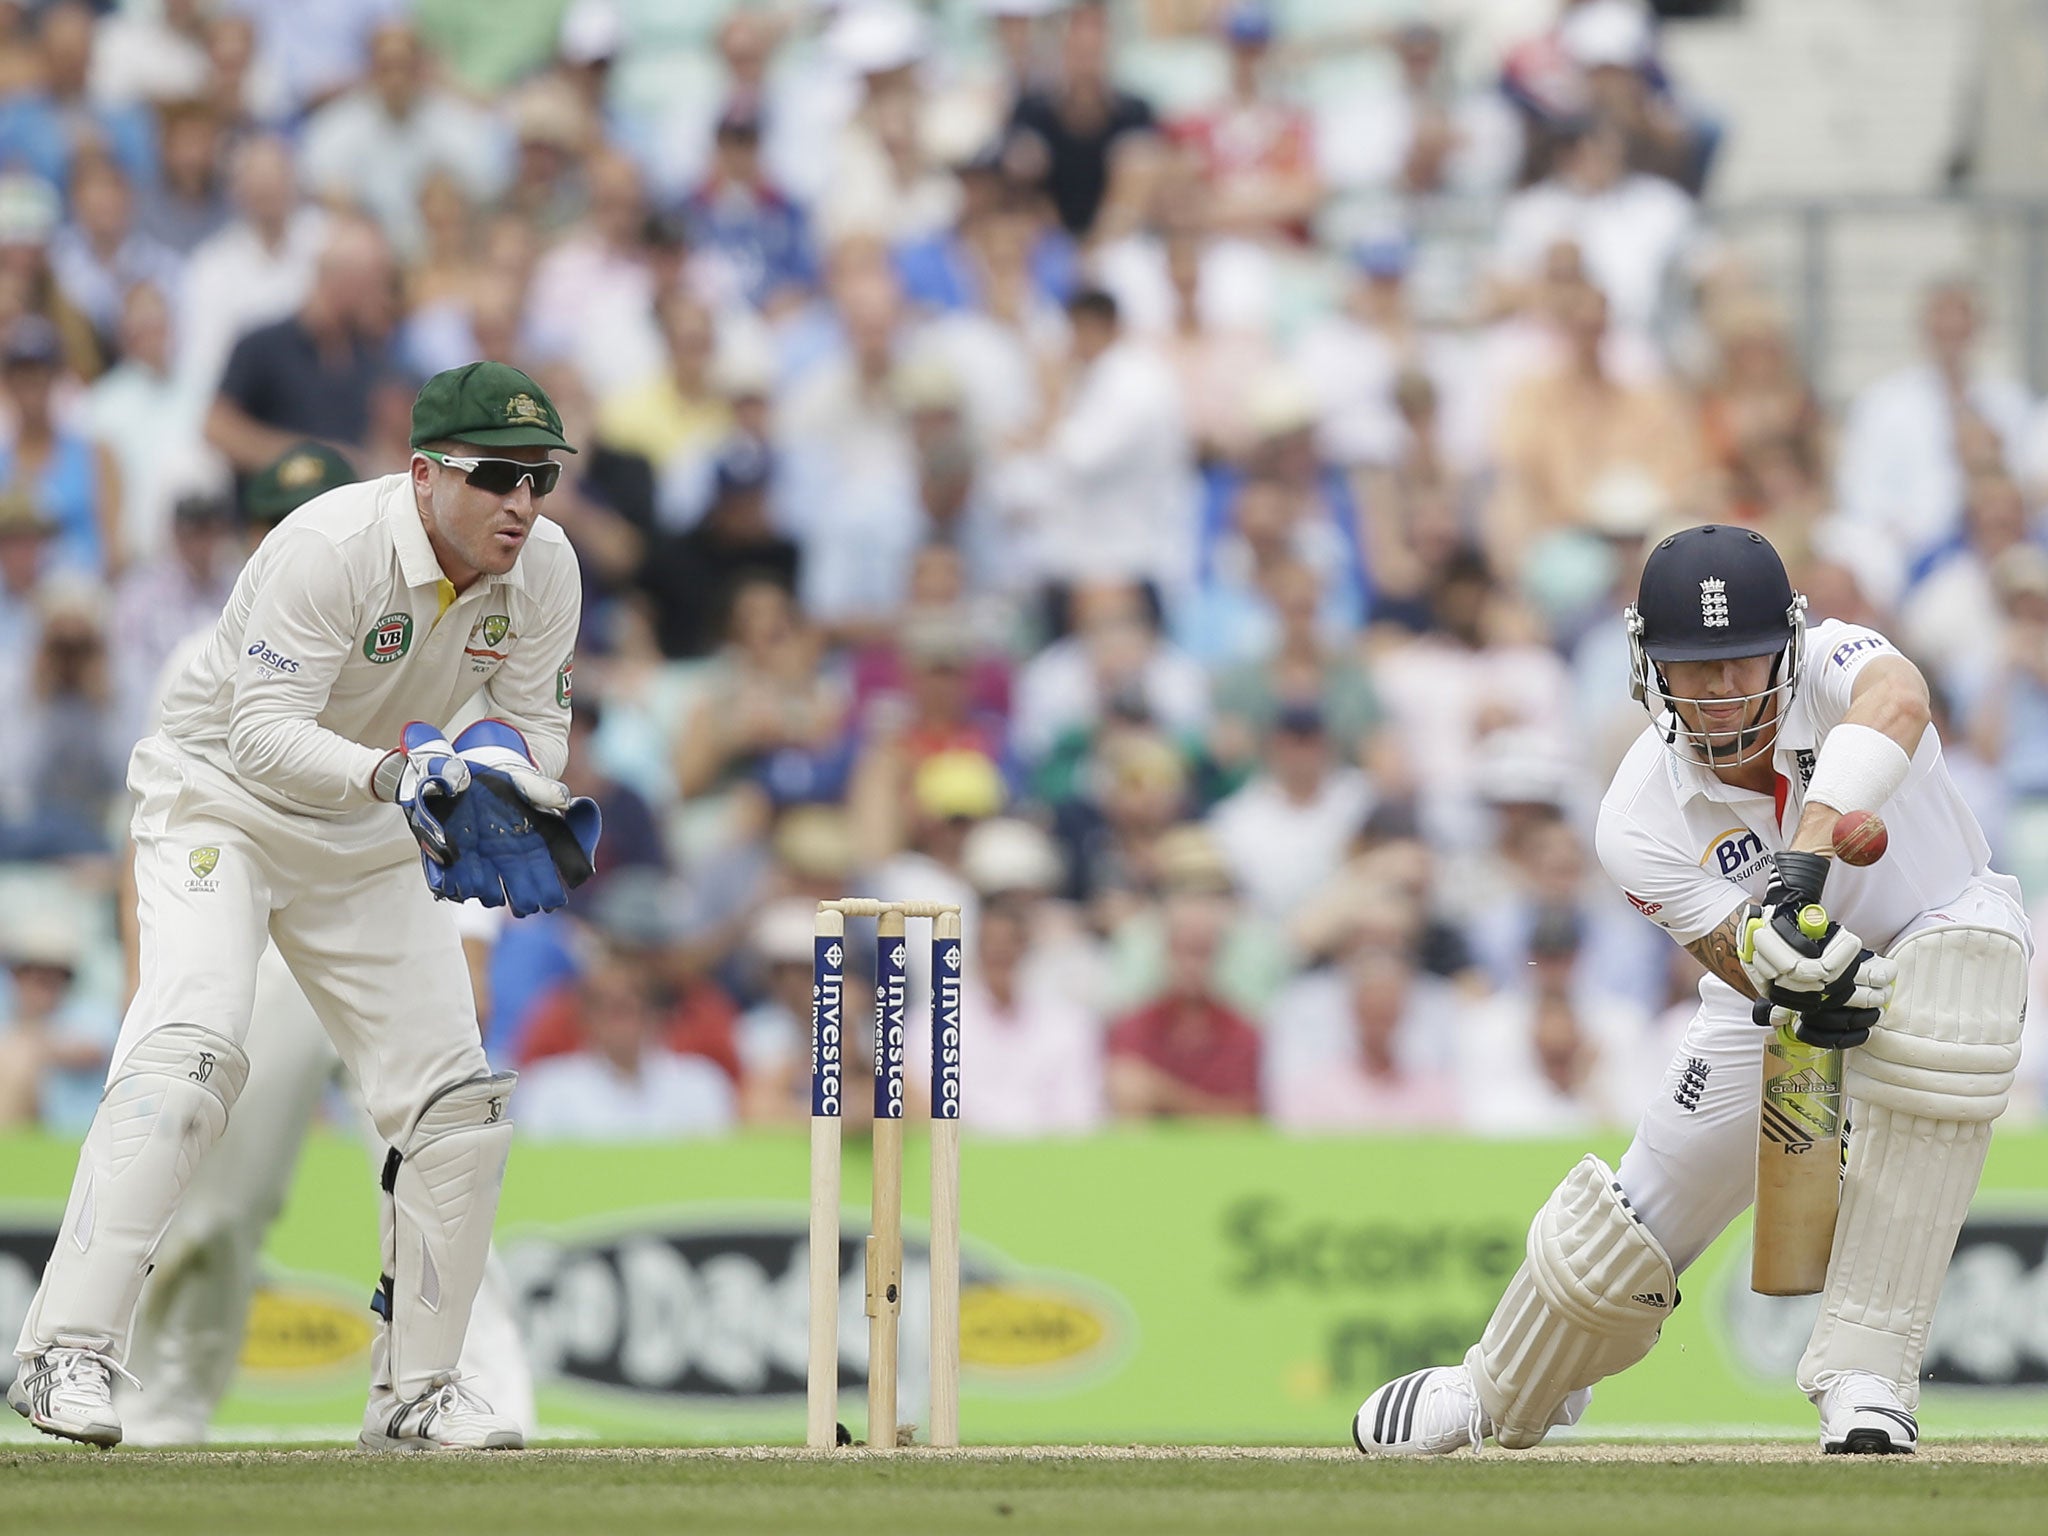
[[537, 841]]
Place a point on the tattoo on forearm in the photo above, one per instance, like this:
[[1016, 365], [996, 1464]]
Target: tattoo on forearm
[[1720, 952]]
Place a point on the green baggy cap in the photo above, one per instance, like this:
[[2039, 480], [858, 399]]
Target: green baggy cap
[[306, 470], [493, 405]]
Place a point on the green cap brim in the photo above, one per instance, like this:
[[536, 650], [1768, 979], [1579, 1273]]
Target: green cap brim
[[512, 437]]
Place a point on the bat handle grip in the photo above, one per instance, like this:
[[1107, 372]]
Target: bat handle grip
[[1813, 920]]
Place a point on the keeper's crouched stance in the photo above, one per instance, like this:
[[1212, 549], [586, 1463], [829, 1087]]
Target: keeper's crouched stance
[[269, 805], [1718, 826]]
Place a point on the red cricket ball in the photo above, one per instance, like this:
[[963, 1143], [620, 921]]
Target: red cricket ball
[[1860, 838]]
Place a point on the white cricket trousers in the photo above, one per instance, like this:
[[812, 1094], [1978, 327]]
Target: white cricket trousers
[[1692, 1166], [218, 875]]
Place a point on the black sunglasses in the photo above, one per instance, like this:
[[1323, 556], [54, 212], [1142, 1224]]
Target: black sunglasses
[[501, 477]]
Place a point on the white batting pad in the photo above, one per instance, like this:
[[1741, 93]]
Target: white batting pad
[[1922, 1095], [1588, 1301], [440, 1202], [167, 1104]]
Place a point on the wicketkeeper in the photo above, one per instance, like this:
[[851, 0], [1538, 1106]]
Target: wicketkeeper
[[1719, 827], [296, 791]]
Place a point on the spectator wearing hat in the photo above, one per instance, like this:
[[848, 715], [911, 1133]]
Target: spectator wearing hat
[[888, 174], [67, 741], [677, 418], [775, 1033], [1128, 788], [552, 131], [1032, 1049], [1285, 831], [312, 373], [1186, 1052], [54, 1043], [73, 479], [1254, 959], [1064, 133], [157, 54], [951, 793], [374, 146], [736, 212], [625, 1082], [1256, 153], [100, 254], [47, 127], [1369, 1043]]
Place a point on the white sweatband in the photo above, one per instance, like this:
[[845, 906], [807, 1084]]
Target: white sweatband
[[1859, 769]]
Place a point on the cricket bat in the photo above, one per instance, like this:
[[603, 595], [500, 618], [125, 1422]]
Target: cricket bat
[[1798, 1158]]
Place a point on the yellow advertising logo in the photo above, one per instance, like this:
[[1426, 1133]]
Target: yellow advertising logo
[[1028, 1328], [292, 1332]]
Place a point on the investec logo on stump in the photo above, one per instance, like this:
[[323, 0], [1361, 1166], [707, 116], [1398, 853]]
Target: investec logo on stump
[[895, 991], [946, 1048], [828, 984]]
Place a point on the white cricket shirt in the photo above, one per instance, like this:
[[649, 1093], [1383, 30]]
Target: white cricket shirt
[[1686, 848], [342, 630]]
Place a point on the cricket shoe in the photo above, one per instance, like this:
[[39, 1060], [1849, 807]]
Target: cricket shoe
[[445, 1417], [1430, 1412], [69, 1392], [1862, 1415]]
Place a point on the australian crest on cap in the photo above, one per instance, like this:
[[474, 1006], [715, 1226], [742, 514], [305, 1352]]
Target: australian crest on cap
[[522, 410], [1714, 603], [300, 469]]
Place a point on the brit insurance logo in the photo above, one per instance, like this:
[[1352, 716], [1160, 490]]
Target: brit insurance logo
[[1735, 854], [389, 638]]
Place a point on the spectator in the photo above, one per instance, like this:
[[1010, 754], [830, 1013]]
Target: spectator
[[1063, 134], [29, 214], [1112, 660], [73, 479], [375, 146], [678, 419], [190, 201], [1126, 788], [1425, 137], [2004, 696], [949, 794], [68, 745], [632, 836], [692, 575], [1031, 1055], [311, 374], [595, 295], [1902, 475], [1941, 623], [100, 254], [1118, 498], [54, 1043], [552, 132], [254, 270], [775, 1034], [25, 534], [1559, 1053], [736, 212], [1186, 1052], [169, 595], [623, 1084], [1256, 153], [1634, 229], [1367, 1043], [151, 54], [45, 128], [1757, 402], [1285, 832], [1561, 432], [884, 183]]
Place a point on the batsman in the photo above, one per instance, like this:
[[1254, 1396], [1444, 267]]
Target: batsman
[[298, 790], [1719, 828]]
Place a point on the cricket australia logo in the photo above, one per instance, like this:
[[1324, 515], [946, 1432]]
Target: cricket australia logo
[[389, 638], [522, 410], [202, 862], [1714, 603]]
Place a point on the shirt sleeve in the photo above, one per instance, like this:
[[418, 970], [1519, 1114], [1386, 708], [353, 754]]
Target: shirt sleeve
[[242, 382], [1834, 659], [1673, 891], [300, 629], [533, 690]]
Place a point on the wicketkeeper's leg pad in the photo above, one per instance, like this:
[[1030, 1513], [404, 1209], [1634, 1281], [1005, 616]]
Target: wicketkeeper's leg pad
[[1923, 1091], [1588, 1301], [440, 1198], [165, 1106]]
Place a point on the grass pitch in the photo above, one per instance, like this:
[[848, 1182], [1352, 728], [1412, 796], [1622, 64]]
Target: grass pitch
[[1716, 1490]]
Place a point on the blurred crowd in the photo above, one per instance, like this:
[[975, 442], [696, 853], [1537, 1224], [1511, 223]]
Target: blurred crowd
[[1009, 476]]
